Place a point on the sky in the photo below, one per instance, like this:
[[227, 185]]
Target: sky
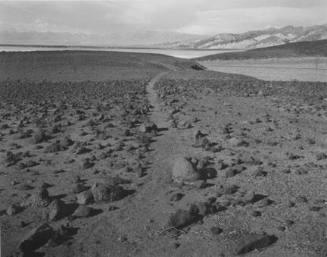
[[200, 17]]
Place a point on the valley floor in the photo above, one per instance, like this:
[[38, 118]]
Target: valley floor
[[187, 163], [285, 69]]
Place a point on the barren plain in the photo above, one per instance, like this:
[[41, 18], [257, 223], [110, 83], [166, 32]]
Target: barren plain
[[124, 154]]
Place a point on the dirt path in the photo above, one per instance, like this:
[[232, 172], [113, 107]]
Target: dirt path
[[144, 215], [157, 116]]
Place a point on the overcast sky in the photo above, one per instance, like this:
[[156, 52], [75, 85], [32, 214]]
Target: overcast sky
[[188, 16]]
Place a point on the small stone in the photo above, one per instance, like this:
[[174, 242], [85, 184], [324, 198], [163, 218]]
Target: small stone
[[183, 171], [176, 197], [289, 222], [260, 172], [265, 202], [40, 136], [216, 230], [290, 204], [199, 137], [87, 163], [281, 228], [237, 142], [255, 242], [78, 188], [315, 208], [84, 197], [184, 124], [40, 198], [321, 156], [181, 218], [56, 209], [230, 189], [148, 127], [256, 213], [301, 199], [103, 192], [83, 212], [14, 209], [232, 171]]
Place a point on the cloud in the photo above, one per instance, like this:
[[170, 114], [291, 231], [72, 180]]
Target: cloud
[[241, 20], [129, 16]]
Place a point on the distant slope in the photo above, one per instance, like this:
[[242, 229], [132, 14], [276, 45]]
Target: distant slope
[[256, 39], [138, 38], [299, 49], [85, 65]]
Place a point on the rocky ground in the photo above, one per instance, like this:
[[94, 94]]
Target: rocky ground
[[186, 163]]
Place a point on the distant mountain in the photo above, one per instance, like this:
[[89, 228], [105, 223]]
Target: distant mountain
[[298, 49], [256, 39], [139, 38], [168, 39]]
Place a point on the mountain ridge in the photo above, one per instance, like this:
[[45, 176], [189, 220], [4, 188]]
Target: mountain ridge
[[143, 38], [256, 38], [298, 49]]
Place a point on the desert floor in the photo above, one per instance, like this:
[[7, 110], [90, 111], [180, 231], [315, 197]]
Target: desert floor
[[160, 160]]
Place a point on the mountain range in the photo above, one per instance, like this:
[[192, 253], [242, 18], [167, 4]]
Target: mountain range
[[111, 38], [168, 39], [316, 48], [255, 39]]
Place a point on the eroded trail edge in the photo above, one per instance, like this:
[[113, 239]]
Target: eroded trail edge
[[157, 116]]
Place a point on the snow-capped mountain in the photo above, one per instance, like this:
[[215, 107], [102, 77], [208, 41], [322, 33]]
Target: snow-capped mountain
[[256, 39]]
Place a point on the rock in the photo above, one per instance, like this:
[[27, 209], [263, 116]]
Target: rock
[[24, 187], [199, 138], [182, 218], [14, 209], [265, 202], [202, 163], [83, 150], [56, 210], [260, 172], [82, 212], [148, 127], [36, 238], [40, 198], [183, 171], [87, 163], [12, 158], [176, 197], [200, 208], [321, 156], [78, 187], [85, 197], [54, 147], [237, 142], [301, 199], [104, 192], [232, 171], [39, 136], [66, 142], [230, 189], [256, 213], [184, 124], [216, 230], [256, 242]]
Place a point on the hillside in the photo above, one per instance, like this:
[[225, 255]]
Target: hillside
[[256, 39], [84, 65], [299, 49]]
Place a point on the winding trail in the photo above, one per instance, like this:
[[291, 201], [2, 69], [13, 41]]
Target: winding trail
[[145, 214], [157, 116]]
